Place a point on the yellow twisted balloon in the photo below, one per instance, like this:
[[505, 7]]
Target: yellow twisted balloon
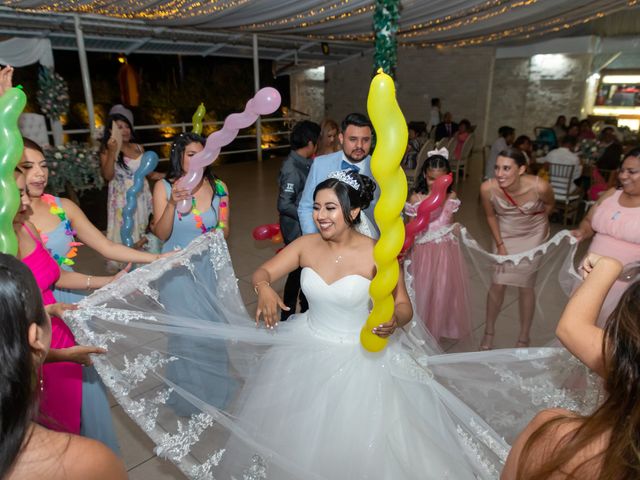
[[198, 115], [392, 135]]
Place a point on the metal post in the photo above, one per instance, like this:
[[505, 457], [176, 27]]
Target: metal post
[[256, 87], [86, 80]]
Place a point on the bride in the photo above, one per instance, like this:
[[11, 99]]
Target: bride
[[310, 401]]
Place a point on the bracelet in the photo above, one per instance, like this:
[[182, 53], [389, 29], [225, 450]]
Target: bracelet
[[89, 281], [499, 244], [255, 287]]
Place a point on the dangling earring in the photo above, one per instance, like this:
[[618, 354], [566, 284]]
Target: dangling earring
[[41, 376]]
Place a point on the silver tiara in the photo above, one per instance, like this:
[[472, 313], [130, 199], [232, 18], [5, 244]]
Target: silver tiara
[[344, 177]]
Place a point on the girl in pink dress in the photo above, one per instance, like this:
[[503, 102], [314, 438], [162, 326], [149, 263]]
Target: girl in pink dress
[[435, 260]]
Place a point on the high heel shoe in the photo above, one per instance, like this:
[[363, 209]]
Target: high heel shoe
[[487, 342]]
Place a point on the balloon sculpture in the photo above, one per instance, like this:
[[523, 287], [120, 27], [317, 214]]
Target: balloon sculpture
[[197, 119], [148, 164], [437, 196], [12, 103], [266, 100], [270, 231], [391, 129]]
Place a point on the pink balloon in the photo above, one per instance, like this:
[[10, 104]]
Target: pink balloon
[[437, 196], [266, 101], [266, 232]]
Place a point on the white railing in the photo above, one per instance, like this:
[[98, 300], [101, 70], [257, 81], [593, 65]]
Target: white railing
[[287, 123]]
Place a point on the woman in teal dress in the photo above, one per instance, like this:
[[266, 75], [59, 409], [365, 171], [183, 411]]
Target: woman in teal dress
[[209, 212]]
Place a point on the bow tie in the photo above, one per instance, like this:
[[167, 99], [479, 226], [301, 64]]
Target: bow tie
[[349, 166]]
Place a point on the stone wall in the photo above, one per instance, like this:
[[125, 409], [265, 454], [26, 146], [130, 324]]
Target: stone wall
[[307, 93], [525, 92], [459, 78], [532, 92]]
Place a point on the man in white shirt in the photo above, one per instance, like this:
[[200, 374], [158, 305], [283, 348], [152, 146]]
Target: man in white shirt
[[507, 135], [564, 155]]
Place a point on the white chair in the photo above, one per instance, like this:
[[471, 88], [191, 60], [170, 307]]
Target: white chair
[[34, 127], [567, 198], [460, 165]]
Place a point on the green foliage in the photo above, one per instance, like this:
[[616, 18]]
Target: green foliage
[[75, 164], [53, 93], [385, 26]]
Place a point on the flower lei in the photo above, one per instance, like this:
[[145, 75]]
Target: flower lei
[[223, 213], [68, 230]]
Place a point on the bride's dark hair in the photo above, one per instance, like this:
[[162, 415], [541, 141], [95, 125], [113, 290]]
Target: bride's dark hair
[[348, 196], [20, 305]]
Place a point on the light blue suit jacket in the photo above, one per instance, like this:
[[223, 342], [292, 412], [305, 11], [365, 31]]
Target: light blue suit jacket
[[321, 167]]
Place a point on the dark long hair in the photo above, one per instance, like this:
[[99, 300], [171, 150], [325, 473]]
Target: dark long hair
[[618, 417], [178, 146], [107, 135], [435, 162], [20, 305], [348, 196]]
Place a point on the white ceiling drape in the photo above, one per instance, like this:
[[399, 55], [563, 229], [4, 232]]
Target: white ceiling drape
[[422, 22]]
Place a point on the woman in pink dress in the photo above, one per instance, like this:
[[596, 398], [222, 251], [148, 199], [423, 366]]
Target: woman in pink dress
[[464, 130], [435, 260], [614, 224], [517, 206], [61, 400]]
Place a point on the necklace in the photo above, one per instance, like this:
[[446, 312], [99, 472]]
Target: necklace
[[223, 214], [338, 258], [56, 210]]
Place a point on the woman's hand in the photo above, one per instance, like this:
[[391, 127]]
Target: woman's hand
[[121, 273], [502, 250], [589, 263], [179, 193], [6, 79], [578, 234], [385, 330], [82, 354], [112, 145], [268, 303], [58, 309]]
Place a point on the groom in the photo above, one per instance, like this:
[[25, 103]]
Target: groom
[[355, 136]]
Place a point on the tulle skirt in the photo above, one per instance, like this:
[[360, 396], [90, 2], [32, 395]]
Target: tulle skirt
[[441, 284]]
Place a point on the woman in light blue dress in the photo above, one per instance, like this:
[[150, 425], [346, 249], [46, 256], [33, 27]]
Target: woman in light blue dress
[[209, 212], [59, 221]]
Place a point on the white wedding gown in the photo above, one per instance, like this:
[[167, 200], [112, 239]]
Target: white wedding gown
[[306, 401]]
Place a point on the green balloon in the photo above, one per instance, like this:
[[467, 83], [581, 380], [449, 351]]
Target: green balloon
[[11, 105]]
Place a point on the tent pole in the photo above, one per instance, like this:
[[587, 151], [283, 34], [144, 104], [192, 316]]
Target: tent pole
[[256, 87], [86, 80]]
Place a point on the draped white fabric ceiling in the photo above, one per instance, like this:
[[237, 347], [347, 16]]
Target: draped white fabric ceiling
[[423, 22]]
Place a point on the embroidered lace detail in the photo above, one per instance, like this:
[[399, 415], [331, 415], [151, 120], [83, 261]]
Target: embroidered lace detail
[[256, 471], [136, 371], [544, 393], [437, 236], [203, 472], [516, 258], [146, 410], [489, 440], [176, 446], [476, 451], [117, 315]]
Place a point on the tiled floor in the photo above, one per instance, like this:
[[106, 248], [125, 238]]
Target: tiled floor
[[253, 190]]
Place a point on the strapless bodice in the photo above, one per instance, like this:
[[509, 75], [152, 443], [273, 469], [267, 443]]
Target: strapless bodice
[[339, 309]]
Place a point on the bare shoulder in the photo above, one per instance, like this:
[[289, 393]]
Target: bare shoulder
[[485, 187], [69, 206], [414, 198], [87, 458]]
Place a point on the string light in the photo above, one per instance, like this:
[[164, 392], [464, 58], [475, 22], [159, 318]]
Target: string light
[[132, 9], [312, 14]]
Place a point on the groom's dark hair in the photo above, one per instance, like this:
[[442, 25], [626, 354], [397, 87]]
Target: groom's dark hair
[[357, 119]]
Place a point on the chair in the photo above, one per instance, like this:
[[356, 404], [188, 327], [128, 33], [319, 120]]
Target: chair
[[567, 199], [420, 159], [486, 153], [443, 142], [459, 165]]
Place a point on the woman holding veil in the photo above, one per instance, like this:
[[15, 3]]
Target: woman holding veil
[[311, 402]]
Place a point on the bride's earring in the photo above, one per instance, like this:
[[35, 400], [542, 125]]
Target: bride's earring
[[41, 376]]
